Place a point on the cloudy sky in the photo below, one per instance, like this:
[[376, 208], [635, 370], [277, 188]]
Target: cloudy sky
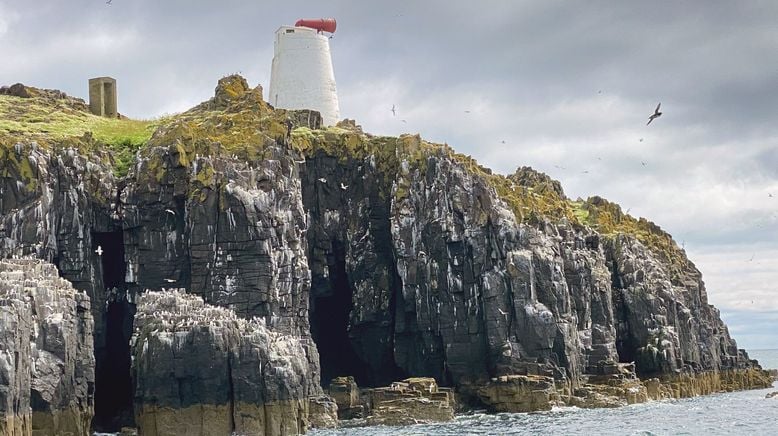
[[568, 87]]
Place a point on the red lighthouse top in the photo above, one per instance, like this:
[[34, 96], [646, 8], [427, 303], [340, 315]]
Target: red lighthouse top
[[320, 24]]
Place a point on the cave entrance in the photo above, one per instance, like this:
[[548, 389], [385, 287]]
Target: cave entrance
[[113, 380], [331, 304]]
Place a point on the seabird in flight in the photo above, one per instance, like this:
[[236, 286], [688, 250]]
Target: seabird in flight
[[656, 114]]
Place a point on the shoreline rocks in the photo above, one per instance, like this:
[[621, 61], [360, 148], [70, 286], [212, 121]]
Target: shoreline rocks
[[200, 369], [415, 400]]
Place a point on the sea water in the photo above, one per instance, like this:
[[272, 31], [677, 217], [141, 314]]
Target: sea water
[[734, 413]]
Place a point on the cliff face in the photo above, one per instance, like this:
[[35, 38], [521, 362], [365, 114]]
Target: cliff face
[[239, 375], [47, 364], [444, 281], [376, 257]]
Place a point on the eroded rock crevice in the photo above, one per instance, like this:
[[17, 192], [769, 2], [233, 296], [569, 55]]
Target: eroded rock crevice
[[113, 384], [355, 292], [331, 306]]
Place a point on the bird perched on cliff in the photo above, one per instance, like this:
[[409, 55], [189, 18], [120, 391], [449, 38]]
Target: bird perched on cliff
[[656, 114], [322, 179]]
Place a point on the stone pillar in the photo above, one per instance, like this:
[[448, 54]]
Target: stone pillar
[[102, 97]]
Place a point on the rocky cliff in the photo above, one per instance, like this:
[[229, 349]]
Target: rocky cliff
[[201, 369], [374, 257], [47, 377]]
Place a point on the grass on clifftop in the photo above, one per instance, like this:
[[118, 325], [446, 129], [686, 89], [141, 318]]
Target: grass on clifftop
[[48, 120], [609, 220], [237, 121]]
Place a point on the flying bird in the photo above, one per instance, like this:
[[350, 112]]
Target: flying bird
[[99, 250], [322, 179], [394, 111], [642, 163], [108, 2], [343, 187], [769, 194], [656, 114], [641, 139]]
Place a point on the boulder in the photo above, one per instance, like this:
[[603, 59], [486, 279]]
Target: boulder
[[408, 411], [323, 412], [519, 393], [414, 400]]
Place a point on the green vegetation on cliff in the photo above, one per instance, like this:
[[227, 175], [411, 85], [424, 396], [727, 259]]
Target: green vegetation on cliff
[[238, 123], [51, 119], [609, 220]]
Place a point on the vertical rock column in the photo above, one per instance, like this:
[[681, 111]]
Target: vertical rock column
[[46, 352], [202, 370]]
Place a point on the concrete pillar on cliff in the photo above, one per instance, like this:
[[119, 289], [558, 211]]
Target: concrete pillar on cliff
[[302, 76], [102, 97]]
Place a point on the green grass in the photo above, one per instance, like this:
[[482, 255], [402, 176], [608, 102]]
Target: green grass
[[237, 121], [609, 220], [48, 121]]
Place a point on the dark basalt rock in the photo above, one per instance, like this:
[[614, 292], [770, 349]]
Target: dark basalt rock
[[444, 282], [193, 360], [384, 258]]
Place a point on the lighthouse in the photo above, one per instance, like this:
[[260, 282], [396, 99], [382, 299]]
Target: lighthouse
[[301, 76]]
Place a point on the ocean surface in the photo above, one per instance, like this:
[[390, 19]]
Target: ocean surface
[[735, 413]]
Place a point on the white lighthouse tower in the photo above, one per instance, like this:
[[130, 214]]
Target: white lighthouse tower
[[301, 76]]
